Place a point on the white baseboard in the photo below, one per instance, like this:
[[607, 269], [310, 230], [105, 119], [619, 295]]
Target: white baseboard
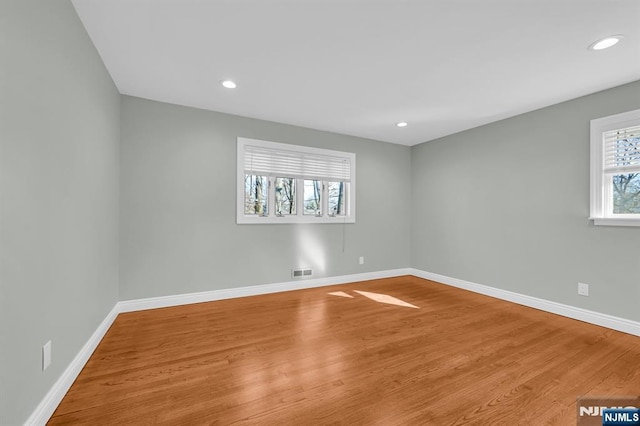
[[50, 402], [604, 320], [230, 293]]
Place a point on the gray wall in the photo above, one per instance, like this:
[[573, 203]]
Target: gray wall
[[506, 205], [178, 232], [58, 194]]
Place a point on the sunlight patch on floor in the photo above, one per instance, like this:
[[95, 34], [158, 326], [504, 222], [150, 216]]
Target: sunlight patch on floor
[[384, 298], [341, 294]]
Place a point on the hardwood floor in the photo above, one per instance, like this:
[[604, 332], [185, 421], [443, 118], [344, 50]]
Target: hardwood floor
[[309, 357]]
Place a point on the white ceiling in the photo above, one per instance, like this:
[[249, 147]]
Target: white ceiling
[[359, 66]]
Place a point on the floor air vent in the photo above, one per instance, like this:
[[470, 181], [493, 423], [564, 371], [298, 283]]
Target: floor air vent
[[301, 273]]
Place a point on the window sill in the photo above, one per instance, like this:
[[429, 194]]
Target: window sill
[[614, 221], [255, 220]]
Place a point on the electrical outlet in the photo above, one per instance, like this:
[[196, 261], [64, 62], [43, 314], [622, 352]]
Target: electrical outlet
[[361, 260], [46, 355], [583, 289]]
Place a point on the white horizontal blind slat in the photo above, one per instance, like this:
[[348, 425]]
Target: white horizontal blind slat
[[296, 164], [622, 150]]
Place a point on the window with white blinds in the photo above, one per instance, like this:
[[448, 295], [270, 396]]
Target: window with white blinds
[[283, 183], [615, 169]]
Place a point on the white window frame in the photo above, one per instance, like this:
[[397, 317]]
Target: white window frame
[[601, 209], [299, 217]]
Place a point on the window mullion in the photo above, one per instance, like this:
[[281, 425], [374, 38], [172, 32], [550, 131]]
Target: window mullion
[[299, 197], [272, 196], [347, 197], [325, 199]]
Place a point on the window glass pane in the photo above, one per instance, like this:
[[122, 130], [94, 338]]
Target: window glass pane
[[312, 192], [336, 197], [256, 190], [626, 193], [285, 193]]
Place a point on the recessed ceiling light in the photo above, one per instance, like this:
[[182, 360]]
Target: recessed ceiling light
[[402, 124], [606, 42], [228, 84]]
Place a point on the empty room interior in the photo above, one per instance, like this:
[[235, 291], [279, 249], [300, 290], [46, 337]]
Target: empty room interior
[[312, 212]]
